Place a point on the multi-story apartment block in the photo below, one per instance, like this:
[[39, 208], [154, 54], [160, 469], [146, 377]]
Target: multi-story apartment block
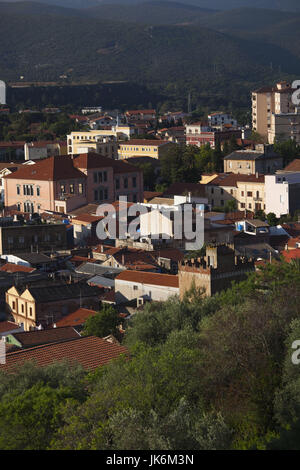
[[220, 119], [283, 192], [25, 238], [105, 145], [285, 127], [247, 190], [143, 148], [82, 139], [201, 133], [63, 183], [262, 160], [269, 100]]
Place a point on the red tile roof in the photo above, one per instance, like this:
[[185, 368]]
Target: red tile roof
[[76, 318], [8, 326], [95, 160], [90, 351], [87, 218], [293, 166], [38, 337], [15, 268], [49, 169], [166, 280], [231, 179], [292, 254]]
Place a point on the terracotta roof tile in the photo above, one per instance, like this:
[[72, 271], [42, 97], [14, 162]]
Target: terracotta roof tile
[[8, 326], [76, 318], [15, 268], [157, 279], [49, 169], [293, 166], [38, 337], [90, 351]]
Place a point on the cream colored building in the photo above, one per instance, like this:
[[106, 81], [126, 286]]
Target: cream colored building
[[143, 148], [262, 160], [269, 100], [22, 307], [247, 190]]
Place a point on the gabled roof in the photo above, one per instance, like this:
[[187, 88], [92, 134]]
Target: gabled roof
[[179, 189], [49, 169], [15, 268], [164, 280], [8, 326], [89, 351], [250, 155], [76, 318], [293, 166], [53, 335], [54, 293], [231, 179]]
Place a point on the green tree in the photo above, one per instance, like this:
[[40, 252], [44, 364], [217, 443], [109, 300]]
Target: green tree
[[104, 323]]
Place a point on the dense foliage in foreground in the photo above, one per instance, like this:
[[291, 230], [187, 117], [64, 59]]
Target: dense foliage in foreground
[[212, 373]]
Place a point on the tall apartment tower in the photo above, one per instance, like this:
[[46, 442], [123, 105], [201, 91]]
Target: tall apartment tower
[[267, 101], [2, 92]]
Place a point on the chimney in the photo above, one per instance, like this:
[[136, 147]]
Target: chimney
[[123, 260]]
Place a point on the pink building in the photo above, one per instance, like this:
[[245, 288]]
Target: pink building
[[64, 183]]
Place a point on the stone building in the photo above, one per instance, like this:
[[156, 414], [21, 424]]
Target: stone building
[[215, 271]]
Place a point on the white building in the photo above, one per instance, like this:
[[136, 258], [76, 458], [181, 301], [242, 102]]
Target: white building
[[219, 119], [144, 286], [282, 193]]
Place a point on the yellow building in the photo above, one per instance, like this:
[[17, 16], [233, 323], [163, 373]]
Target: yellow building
[[143, 148], [90, 138]]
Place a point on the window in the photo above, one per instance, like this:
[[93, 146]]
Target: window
[[95, 178], [22, 308], [105, 193], [30, 311], [18, 189], [250, 206], [212, 191], [134, 181], [38, 192], [135, 287], [105, 176], [71, 188], [222, 191], [21, 239], [80, 188], [222, 202], [249, 193], [10, 240], [242, 193], [62, 188], [243, 205], [125, 182], [14, 305], [95, 195]]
